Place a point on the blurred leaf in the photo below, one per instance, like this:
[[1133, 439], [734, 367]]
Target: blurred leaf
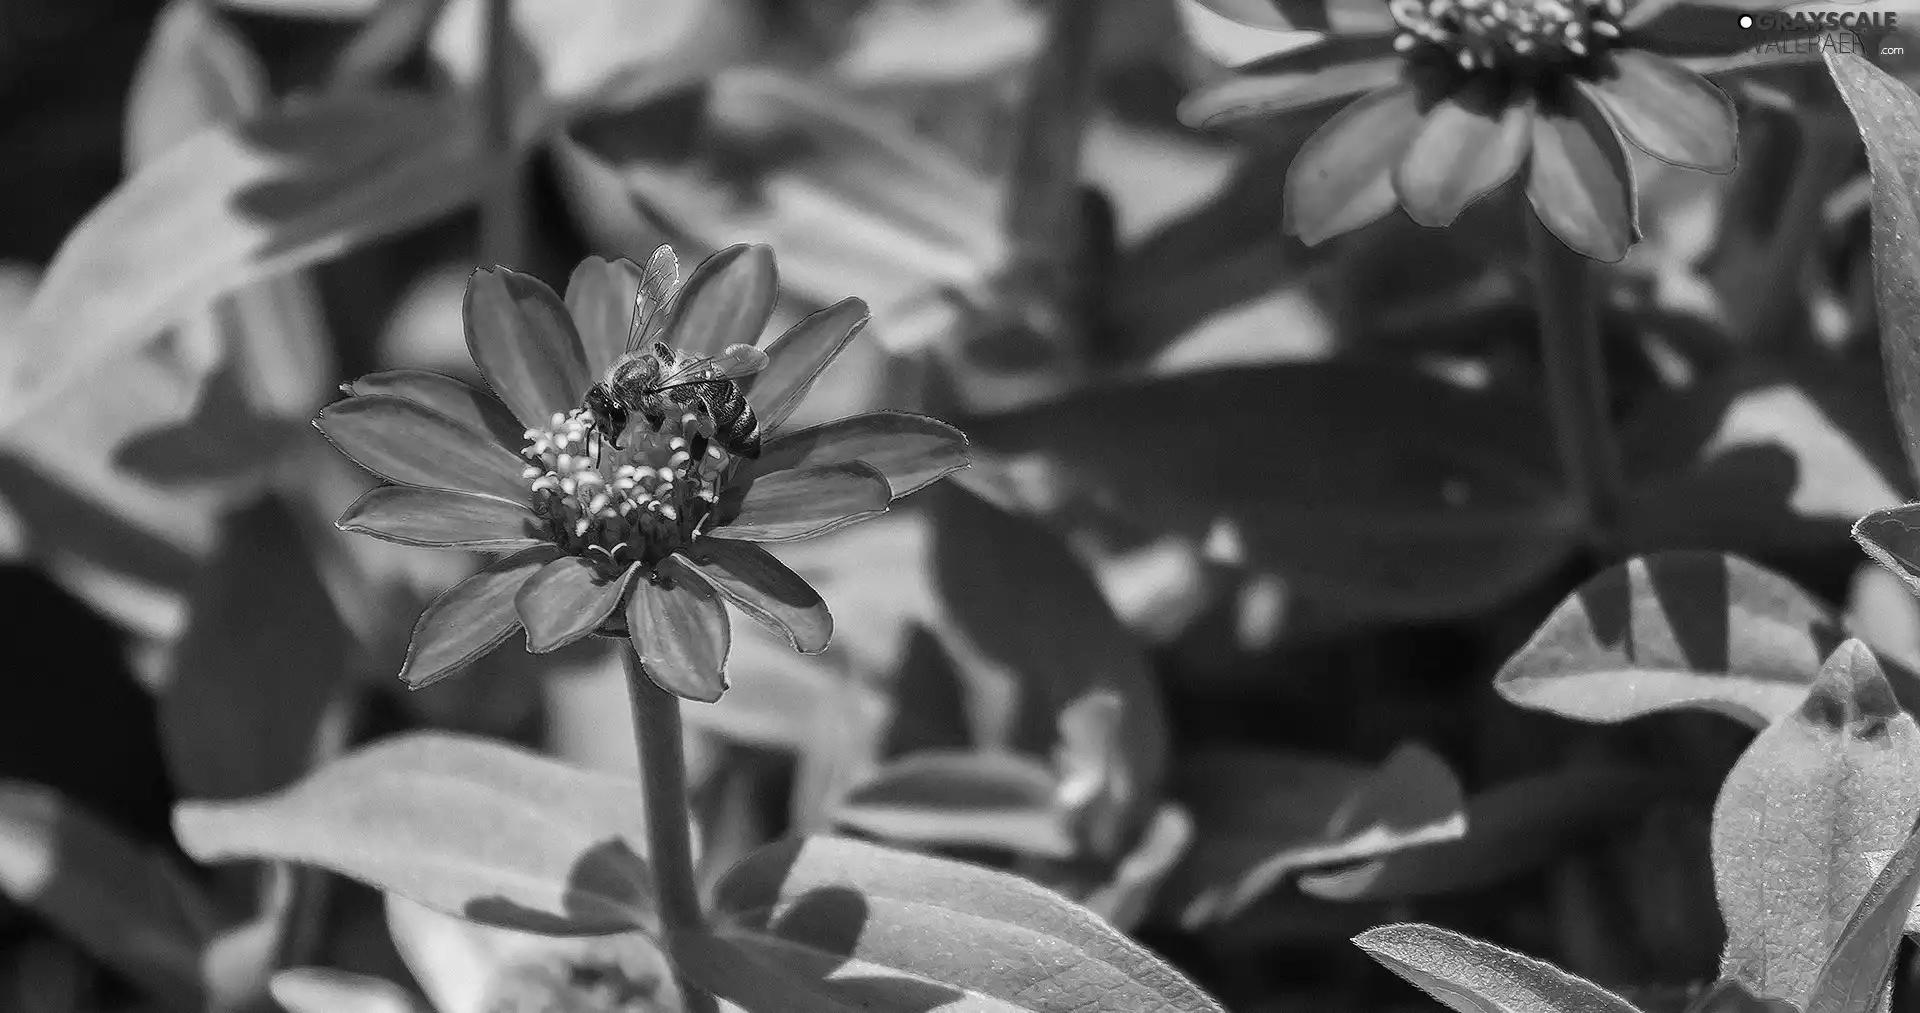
[[1472, 976], [1512, 829], [1888, 115], [1854, 975], [462, 825], [1129, 894], [930, 707], [262, 654], [46, 974], [1806, 819], [197, 71], [468, 968], [961, 799], [343, 10], [1677, 629], [281, 191], [897, 44], [1373, 484], [1027, 608], [825, 924], [393, 32], [133, 909], [327, 990], [1730, 995], [1040, 213], [1265, 817]]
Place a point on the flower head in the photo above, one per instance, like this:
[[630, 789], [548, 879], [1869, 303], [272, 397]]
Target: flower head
[[1459, 97], [644, 536]]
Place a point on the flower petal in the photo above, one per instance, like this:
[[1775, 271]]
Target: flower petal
[[680, 632], [1342, 178], [760, 585], [1331, 71], [436, 518], [804, 502], [799, 356], [600, 297], [470, 619], [408, 443], [1668, 111], [1471, 143], [912, 451], [567, 600], [1580, 183], [725, 301], [522, 338], [449, 397]]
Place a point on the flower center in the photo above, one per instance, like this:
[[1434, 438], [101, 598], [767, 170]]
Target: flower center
[[1485, 34], [638, 503]]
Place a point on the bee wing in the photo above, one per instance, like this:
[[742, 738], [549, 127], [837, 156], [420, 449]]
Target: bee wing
[[656, 284], [736, 363]]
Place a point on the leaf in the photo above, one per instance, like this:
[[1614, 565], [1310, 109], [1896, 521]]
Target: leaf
[[1393, 493], [1472, 976], [1262, 818], [1127, 898], [1805, 819], [1022, 603], [841, 925], [1854, 975], [131, 908], [327, 990], [263, 654], [1888, 115], [1889, 537], [1677, 629], [961, 41], [951, 798], [284, 190], [464, 826]]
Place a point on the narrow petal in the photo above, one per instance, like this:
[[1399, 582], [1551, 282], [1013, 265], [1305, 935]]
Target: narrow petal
[[1342, 178], [760, 585], [523, 340], [1332, 71], [1668, 111], [680, 632], [1471, 143], [799, 356], [470, 619], [912, 451], [725, 301], [410, 444], [1580, 183], [435, 518], [600, 297], [567, 600], [790, 505], [478, 409]]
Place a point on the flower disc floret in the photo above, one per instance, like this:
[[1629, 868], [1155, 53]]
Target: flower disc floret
[[1508, 34], [639, 503]]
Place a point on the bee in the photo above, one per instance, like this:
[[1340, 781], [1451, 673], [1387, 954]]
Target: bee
[[653, 380]]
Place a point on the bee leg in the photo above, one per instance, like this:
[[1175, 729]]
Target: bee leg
[[697, 446]]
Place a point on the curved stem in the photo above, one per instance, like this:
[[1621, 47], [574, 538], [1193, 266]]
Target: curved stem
[[663, 776], [1567, 304]]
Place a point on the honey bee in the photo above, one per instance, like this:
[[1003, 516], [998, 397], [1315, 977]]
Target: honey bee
[[653, 380]]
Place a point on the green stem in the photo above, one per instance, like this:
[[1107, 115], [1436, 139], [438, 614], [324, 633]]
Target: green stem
[[502, 211], [1567, 304], [1774, 313], [663, 776]]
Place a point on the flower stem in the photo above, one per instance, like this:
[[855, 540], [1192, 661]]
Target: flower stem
[[1774, 313], [663, 775], [1567, 304], [502, 211]]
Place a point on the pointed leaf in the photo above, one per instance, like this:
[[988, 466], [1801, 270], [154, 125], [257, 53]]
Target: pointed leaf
[[799, 356], [567, 600], [1677, 629], [1805, 819], [961, 799], [930, 706], [802, 503], [1127, 898], [760, 585], [1472, 976], [679, 630], [1892, 538], [470, 618], [843, 925], [461, 825], [1888, 115], [912, 451], [1855, 974], [196, 71], [523, 340], [408, 443]]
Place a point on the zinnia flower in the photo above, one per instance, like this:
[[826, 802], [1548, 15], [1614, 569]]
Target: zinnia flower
[[1465, 95], [646, 539]]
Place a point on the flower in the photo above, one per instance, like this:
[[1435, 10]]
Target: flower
[[1462, 96], [646, 537]]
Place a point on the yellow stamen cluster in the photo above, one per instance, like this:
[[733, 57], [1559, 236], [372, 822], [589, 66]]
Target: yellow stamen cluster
[[1488, 34], [638, 503]]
